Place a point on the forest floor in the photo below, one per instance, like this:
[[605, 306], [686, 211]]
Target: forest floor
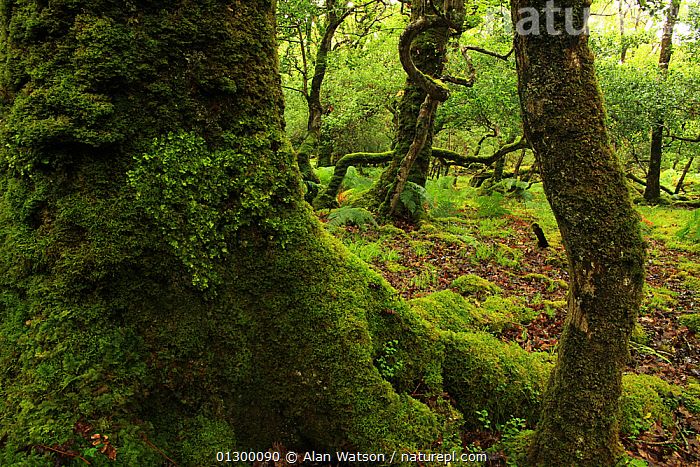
[[494, 240]]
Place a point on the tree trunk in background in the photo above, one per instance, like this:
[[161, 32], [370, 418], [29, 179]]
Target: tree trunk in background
[[313, 99], [564, 120], [428, 52], [653, 190]]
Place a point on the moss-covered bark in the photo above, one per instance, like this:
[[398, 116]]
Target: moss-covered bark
[[564, 120], [428, 54], [162, 279], [327, 198]]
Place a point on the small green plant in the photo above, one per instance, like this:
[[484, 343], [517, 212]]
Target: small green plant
[[484, 419], [484, 252], [386, 361], [507, 256], [491, 206], [425, 279], [512, 428], [691, 230], [367, 251], [351, 216], [414, 196], [390, 255]]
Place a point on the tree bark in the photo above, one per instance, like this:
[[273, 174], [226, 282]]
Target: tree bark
[[652, 192], [428, 53], [564, 120], [679, 185], [162, 278]]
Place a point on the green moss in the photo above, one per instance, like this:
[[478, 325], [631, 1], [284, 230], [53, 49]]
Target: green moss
[[391, 230], [472, 284], [498, 314], [425, 227], [482, 373], [552, 305], [446, 310], [638, 335], [642, 403], [693, 268], [692, 283], [692, 321], [450, 311], [447, 238], [552, 283], [661, 298], [394, 267]]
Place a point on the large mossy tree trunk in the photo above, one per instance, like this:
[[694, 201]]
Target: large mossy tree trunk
[[162, 279], [564, 120], [164, 286]]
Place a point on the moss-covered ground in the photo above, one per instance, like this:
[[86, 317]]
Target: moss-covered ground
[[474, 265]]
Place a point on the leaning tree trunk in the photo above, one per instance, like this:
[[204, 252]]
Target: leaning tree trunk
[[653, 190], [564, 120]]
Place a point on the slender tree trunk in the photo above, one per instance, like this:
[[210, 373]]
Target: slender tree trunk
[[679, 185], [564, 120], [653, 191], [516, 171], [313, 98]]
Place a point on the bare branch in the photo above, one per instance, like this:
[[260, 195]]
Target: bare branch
[[486, 52]]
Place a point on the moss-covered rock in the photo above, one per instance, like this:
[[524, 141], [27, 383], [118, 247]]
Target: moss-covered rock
[[426, 227], [447, 238], [551, 283], [638, 335], [450, 311], [391, 230], [644, 402], [471, 284]]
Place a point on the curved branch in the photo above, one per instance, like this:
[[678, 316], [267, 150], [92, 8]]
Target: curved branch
[[463, 81], [436, 89], [463, 161], [633, 177]]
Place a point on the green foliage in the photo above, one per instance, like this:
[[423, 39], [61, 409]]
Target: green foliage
[[692, 321], [182, 186], [351, 216], [387, 361], [446, 199], [491, 206], [415, 197], [691, 230]]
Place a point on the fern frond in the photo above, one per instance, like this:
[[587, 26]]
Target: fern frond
[[351, 216]]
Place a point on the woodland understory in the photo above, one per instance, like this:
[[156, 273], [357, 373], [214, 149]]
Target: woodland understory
[[483, 248]]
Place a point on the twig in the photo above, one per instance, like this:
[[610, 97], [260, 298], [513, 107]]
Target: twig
[[487, 52], [64, 453], [161, 452]]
